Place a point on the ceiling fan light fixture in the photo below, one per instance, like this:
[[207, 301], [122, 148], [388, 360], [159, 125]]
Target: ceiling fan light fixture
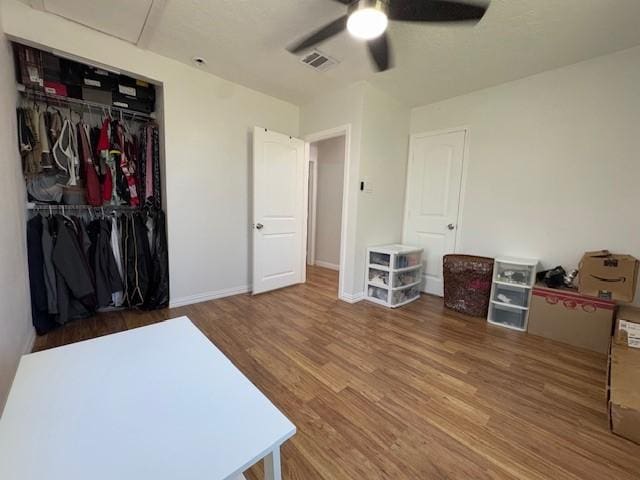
[[367, 23]]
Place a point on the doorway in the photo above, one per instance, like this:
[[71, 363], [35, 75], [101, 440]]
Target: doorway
[[327, 159]]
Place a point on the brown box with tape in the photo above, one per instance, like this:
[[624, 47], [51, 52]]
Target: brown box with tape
[[624, 375], [608, 276]]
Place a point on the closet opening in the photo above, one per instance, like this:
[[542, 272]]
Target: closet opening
[[92, 150], [327, 160]]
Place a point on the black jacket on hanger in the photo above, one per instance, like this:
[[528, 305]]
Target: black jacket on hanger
[[158, 296], [76, 292], [42, 320]]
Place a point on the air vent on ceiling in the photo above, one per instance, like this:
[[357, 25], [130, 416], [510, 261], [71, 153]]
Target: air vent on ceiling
[[318, 61]]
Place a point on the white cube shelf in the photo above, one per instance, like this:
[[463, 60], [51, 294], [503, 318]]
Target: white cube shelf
[[394, 275], [513, 280]]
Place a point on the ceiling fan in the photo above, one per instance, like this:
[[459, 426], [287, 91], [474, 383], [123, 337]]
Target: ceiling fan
[[368, 20]]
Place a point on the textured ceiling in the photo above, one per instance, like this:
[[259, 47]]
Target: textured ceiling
[[244, 41]]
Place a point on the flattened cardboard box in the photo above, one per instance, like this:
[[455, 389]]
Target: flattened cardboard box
[[566, 316], [624, 392], [608, 276]]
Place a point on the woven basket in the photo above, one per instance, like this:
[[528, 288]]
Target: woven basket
[[467, 283]]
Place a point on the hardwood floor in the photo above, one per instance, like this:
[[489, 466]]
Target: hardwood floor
[[414, 393]]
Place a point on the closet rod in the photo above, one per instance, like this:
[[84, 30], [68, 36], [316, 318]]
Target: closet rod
[[68, 102], [46, 207]]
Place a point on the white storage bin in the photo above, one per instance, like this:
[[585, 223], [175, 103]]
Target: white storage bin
[[510, 317], [511, 295], [404, 295], [377, 258], [378, 277], [407, 277], [408, 260], [378, 293], [516, 274], [394, 274]]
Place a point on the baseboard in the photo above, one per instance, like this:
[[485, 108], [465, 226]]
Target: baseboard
[[30, 342], [352, 298], [206, 296], [332, 266]]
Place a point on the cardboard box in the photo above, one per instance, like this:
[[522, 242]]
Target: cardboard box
[[566, 316], [624, 391], [627, 330], [608, 276]]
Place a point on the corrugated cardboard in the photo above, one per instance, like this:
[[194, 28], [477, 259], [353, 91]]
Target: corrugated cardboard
[[627, 330], [624, 391], [608, 276], [567, 316]]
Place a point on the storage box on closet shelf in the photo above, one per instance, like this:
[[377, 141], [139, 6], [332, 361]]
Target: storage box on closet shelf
[[394, 275]]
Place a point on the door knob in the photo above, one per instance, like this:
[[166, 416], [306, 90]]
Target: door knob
[[259, 226], [451, 226]]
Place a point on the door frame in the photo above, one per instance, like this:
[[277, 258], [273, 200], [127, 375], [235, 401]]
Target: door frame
[[457, 241], [342, 130], [313, 199]]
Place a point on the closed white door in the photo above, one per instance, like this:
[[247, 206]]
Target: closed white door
[[279, 210], [432, 200]]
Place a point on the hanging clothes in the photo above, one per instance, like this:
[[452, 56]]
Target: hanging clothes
[[49, 269], [117, 297], [107, 277], [91, 180], [76, 292], [42, 320], [158, 296]]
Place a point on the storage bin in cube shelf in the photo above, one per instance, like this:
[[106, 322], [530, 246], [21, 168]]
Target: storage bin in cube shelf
[[394, 274]]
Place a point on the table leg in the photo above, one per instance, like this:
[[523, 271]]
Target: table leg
[[272, 470]]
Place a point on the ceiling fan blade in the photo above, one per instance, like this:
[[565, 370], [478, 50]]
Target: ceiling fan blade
[[318, 36], [380, 52], [437, 10]]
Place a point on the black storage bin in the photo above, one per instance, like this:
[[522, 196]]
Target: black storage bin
[[132, 103], [136, 88], [99, 79], [467, 283], [51, 71], [72, 73]]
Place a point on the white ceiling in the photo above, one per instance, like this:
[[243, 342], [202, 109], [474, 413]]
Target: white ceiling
[[244, 41]]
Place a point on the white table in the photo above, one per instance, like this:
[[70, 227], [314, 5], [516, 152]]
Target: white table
[[154, 403]]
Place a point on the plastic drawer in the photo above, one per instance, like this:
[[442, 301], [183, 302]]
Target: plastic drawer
[[400, 279], [377, 292], [378, 277], [508, 316], [383, 259], [515, 274], [511, 295], [408, 260], [405, 295]]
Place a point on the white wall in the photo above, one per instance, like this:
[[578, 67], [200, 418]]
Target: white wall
[[330, 161], [383, 163], [207, 124], [340, 108], [16, 332], [378, 151], [554, 165]]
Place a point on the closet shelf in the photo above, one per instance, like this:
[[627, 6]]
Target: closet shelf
[[68, 102]]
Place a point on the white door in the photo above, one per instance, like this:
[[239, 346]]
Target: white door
[[432, 201], [279, 210]]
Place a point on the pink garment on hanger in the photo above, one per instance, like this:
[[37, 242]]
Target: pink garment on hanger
[[148, 175]]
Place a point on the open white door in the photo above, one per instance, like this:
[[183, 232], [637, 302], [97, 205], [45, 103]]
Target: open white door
[[433, 197], [279, 210]]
